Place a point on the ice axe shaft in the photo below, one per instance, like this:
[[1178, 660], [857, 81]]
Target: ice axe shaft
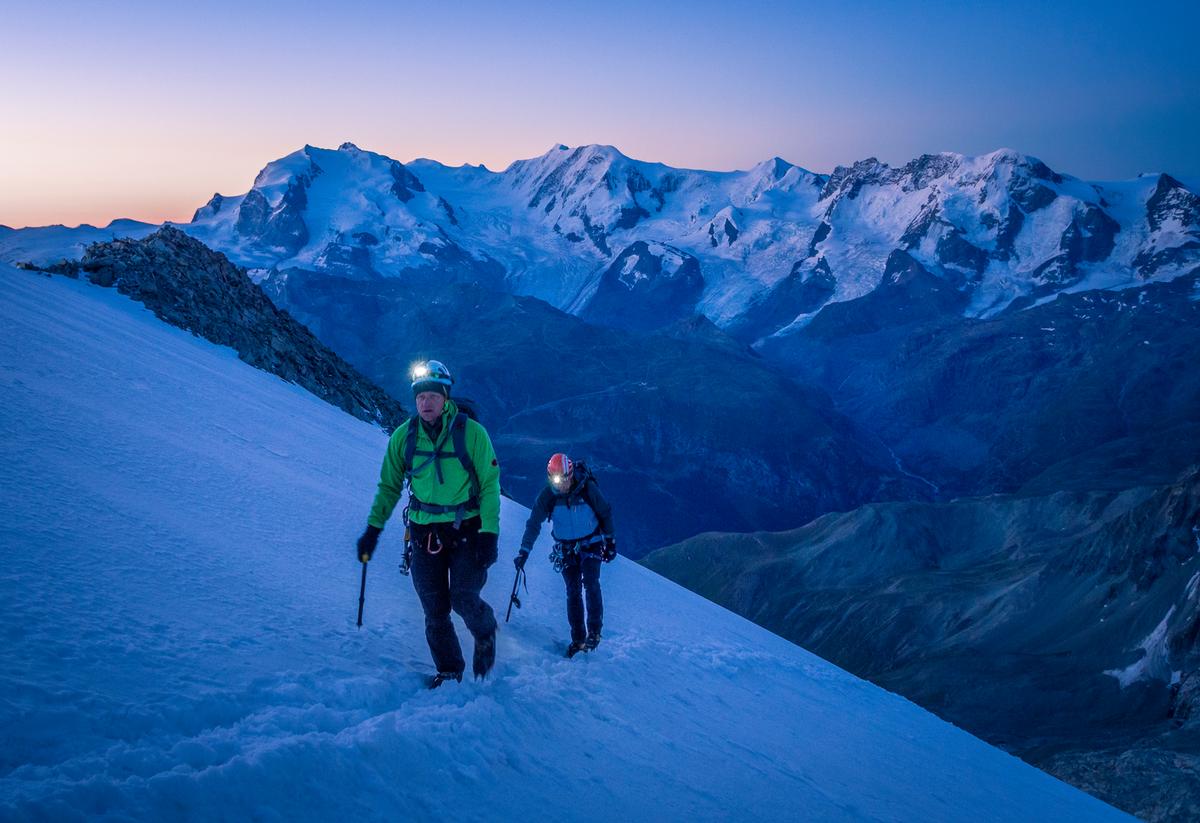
[[513, 600], [362, 594]]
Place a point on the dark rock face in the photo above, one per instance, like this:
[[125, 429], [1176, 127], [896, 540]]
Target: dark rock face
[[908, 294], [347, 260], [1148, 263], [919, 227], [1088, 238], [212, 207], [818, 237], [404, 182], [190, 286], [252, 214], [919, 173], [450, 215], [954, 250], [1031, 195], [651, 413], [1093, 380], [1171, 201], [808, 286], [646, 288], [1171, 204], [595, 233], [1015, 617], [1007, 233], [281, 229], [847, 182], [630, 217]]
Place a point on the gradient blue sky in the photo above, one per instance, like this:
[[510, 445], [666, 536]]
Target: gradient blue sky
[[145, 109]]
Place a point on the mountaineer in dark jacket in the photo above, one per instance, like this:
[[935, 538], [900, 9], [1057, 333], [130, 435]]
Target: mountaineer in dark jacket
[[583, 537]]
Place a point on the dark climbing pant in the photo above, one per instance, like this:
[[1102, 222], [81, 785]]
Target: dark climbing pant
[[582, 572], [449, 569]]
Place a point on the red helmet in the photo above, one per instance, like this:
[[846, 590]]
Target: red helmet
[[558, 471]]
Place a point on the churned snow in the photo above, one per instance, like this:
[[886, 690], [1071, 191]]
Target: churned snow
[[178, 600]]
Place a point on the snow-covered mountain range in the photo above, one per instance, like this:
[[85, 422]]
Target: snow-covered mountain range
[[596, 233], [178, 613], [627, 242]]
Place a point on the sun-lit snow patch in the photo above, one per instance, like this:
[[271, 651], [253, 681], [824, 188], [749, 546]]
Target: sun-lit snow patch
[[1153, 663], [630, 275]]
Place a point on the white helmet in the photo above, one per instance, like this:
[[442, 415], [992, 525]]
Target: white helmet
[[432, 375]]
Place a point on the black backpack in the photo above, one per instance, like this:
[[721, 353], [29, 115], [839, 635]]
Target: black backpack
[[575, 495]]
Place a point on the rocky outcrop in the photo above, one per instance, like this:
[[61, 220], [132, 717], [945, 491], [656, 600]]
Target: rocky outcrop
[[807, 287], [404, 182], [190, 286], [648, 286], [280, 228]]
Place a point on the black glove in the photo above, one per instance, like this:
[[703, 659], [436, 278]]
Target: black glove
[[488, 548], [367, 543], [610, 549], [519, 560]]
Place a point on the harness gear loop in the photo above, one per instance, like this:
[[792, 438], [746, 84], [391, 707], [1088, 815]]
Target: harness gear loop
[[582, 547]]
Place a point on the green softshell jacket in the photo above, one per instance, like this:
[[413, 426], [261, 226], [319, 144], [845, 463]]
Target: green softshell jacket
[[455, 485]]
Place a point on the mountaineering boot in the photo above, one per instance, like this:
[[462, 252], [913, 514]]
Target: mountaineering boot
[[593, 640], [485, 655], [442, 677], [576, 647]]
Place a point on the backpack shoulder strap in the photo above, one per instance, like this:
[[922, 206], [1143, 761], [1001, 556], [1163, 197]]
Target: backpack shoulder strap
[[458, 434], [410, 443]]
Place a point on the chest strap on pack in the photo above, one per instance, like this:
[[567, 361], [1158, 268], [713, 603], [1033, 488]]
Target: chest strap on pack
[[458, 442]]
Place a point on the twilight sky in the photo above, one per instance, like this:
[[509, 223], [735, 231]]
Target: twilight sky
[[143, 110]]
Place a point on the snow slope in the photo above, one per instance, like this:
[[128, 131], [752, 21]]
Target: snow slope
[[177, 605], [44, 245]]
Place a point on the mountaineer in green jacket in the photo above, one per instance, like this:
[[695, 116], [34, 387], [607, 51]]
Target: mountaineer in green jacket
[[453, 518]]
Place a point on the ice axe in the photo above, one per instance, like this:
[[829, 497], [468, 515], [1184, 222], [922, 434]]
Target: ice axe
[[513, 600], [362, 593]]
